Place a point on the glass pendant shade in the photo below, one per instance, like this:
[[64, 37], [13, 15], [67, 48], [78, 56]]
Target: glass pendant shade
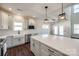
[[46, 14], [62, 16]]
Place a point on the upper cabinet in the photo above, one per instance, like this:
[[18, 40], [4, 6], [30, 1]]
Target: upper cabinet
[[3, 20]]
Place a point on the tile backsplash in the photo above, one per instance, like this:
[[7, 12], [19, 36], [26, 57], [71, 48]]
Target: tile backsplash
[[6, 32]]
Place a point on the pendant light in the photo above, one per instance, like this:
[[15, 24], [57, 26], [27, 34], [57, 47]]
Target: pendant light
[[62, 16], [46, 14]]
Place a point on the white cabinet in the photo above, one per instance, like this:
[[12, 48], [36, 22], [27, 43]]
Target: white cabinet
[[15, 42], [11, 41], [40, 49], [35, 47], [44, 50], [32, 45], [18, 41], [3, 20], [21, 40]]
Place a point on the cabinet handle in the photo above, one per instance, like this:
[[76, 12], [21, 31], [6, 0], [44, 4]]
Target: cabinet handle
[[51, 51]]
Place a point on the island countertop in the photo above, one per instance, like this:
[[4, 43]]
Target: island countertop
[[68, 46]]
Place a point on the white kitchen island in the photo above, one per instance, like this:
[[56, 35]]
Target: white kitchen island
[[51, 45]]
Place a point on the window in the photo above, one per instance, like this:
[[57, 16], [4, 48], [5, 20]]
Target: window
[[76, 8], [76, 28], [17, 26], [58, 30], [45, 28], [55, 30], [61, 31]]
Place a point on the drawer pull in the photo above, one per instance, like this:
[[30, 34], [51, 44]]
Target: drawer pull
[[51, 51]]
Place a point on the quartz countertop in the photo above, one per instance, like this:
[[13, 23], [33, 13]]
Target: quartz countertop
[[16, 34], [68, 46], [22, 33]]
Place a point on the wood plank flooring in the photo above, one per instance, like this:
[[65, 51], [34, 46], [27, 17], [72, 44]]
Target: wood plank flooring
[[22, 50]]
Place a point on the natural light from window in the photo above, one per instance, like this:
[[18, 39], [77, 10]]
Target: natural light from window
[[55, 30], [61, 30], [76, 8], [76, 28], [45, 28], [17, 26]]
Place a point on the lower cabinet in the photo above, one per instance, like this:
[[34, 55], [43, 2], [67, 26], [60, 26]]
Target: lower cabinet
[[11, 41], [18, 41], [44, 50], [40, 49], [35, 47]]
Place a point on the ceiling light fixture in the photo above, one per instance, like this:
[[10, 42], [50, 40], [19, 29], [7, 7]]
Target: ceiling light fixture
[[46, 14], [62, 16]]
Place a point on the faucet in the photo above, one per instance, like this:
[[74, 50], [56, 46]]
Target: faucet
[[18, 31]]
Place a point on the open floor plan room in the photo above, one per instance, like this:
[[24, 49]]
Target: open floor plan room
[[39, 29]]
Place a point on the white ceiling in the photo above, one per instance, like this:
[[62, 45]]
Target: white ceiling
[[34, 9]]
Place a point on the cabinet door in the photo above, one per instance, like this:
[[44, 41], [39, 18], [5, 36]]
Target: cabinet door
[[32, 45], [4, 20], [18, 41], [21, 40], [15, 42], [35, 47], [44, 50], [9, 41]]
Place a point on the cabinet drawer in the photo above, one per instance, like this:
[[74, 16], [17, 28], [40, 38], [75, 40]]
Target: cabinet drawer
[[53, 52], [44, 50], [44, 47]]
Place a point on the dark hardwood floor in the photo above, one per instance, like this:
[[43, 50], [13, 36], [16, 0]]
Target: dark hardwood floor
[[21, 50]]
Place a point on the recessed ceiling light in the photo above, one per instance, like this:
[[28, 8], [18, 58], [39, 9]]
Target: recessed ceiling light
[[10, 9]]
